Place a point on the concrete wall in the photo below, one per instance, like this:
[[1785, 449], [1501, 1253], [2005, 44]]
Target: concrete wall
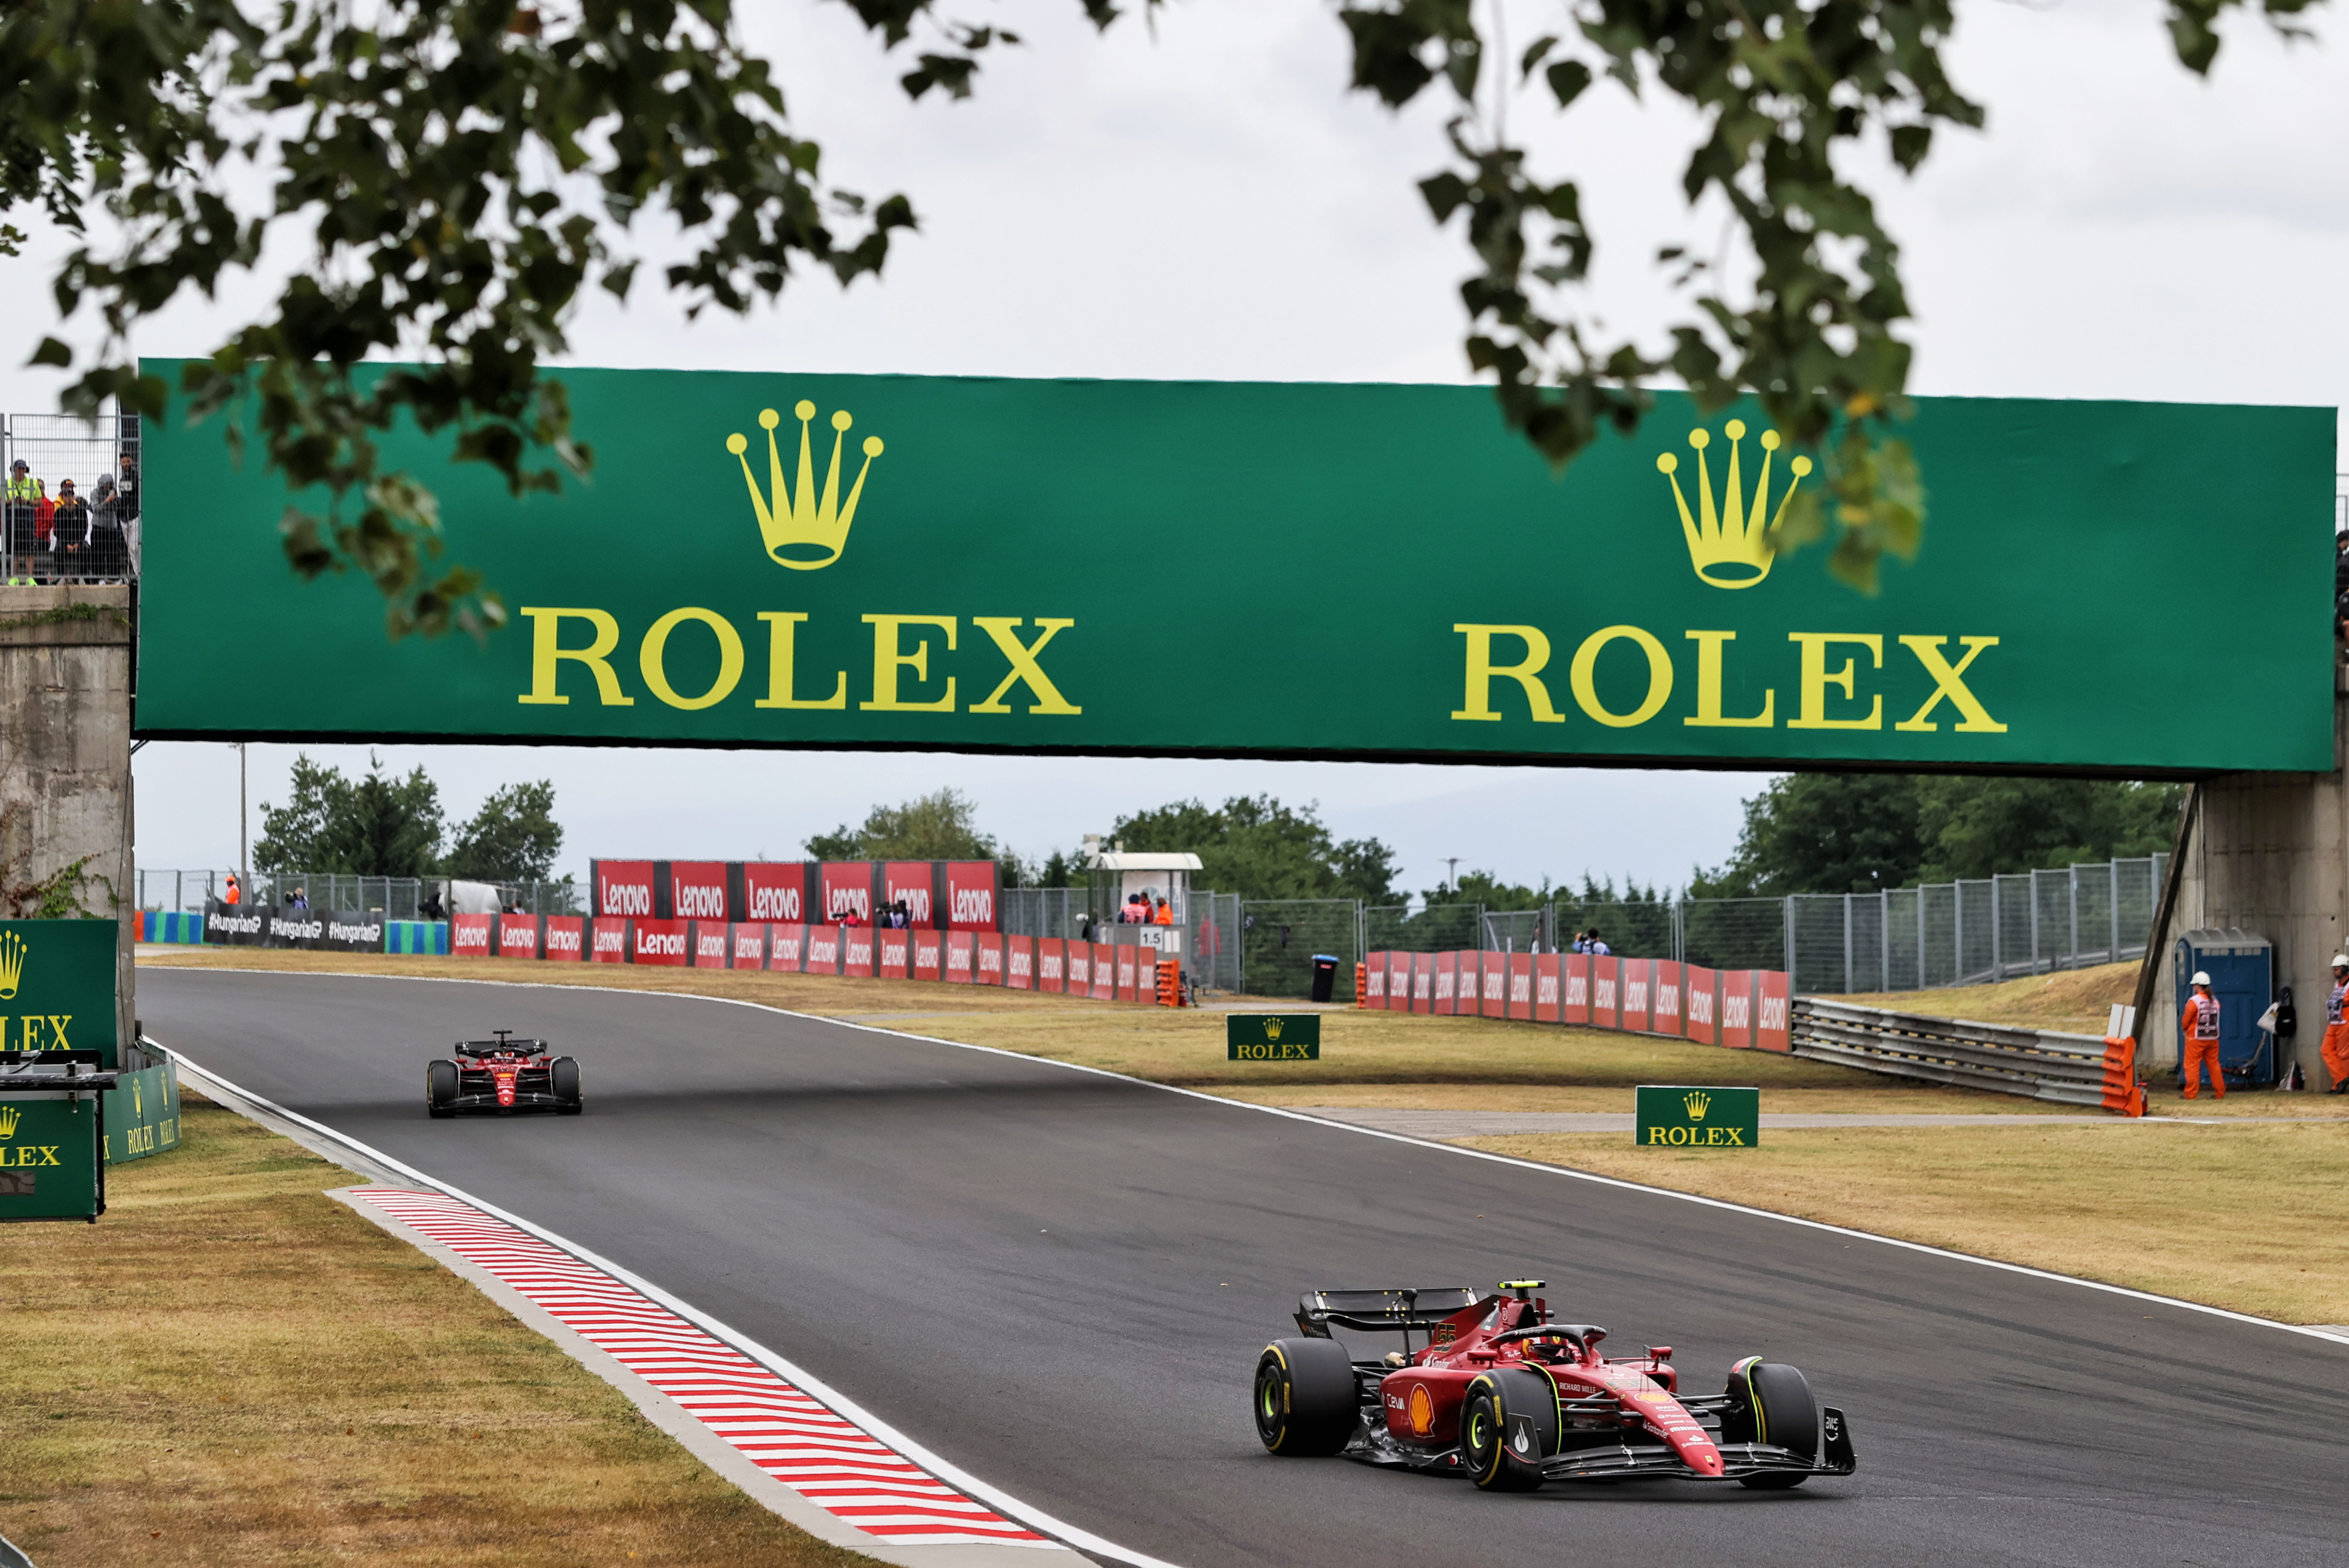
[[66, 675], [2270, 853]]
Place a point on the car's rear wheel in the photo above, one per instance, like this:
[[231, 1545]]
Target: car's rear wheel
[[1305, 1400], [563, 1077], [1771, 1404], [1508, 1425], [440, 1089]]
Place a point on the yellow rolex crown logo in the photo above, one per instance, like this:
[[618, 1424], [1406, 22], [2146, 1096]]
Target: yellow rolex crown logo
[[802, 530], [8, 1118], [1272, 1028], [1698, 1102], [12, 963], [1729, 545]]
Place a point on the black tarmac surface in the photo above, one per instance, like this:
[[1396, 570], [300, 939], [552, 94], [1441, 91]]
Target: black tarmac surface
[[1062, 1281]]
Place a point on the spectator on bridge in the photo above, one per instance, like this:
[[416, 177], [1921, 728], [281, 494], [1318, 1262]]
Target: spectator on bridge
[[2199, 1026], [235, 894], [16, 524], [2336, 1031], [127, 485], [299, 899], [109, 550], [69, 533], [44, 535], [1593, 945]]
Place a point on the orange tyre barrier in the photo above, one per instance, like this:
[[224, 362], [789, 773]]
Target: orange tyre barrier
[[2124, 1096], [1170, 984]]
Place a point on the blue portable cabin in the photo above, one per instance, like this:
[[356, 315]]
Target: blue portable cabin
[[2241, 967]]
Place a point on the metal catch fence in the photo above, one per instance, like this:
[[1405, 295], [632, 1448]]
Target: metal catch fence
[[395, 898]]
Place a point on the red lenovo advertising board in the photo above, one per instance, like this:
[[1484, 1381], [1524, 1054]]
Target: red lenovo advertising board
[[624, 888], [469, 935], [1079, 962], [1666, 1019], [710, 947], [856, 950], [1447, 966], [1636, 973], [1606, 991], [1104, 972], [929, 955], [1125, 973], [1738, 1008], [1374, 980], [566, 937], [823, 950], [1423, 981], [749, 947], [1019, 962], [1521, 985], [1548, 975], [657, 941], [608, 942], [987, 948], [970, 895], [897, 954], [1698, 989], [912, 883], [847, 889], [518, 936], [775, 891], [697, 890], [958, 958], [1399, 981], [787, 947], [1051, 973], [1497, 984], [1770, 1021], [1576, 1008]]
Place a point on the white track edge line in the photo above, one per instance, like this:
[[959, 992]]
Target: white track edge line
[[2023, 1269], [945, 1469]]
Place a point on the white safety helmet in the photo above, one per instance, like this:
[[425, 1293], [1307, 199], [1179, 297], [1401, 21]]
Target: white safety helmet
[[2341, 960], [2201, 977]]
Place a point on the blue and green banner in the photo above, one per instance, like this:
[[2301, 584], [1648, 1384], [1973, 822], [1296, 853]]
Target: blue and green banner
[[1380, 571]]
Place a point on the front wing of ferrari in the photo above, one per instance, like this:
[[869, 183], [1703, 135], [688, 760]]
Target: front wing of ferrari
[[1627, 1461]]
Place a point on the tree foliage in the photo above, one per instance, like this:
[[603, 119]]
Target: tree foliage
[[940, 826], [512, 838], [453, 176], [373, 826], [379, 824], [1255, 846], [1862, 833]]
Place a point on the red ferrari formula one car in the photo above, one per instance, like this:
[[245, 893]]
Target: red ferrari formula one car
[[1499, 1392], [501, 1076]]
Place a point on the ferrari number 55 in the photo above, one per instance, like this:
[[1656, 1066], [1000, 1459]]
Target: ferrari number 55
[[501, 1076], [1500, 1392]]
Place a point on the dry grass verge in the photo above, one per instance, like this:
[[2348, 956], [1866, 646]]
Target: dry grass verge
[[2226, 1216], [230, 1367], [2076, 1001], [1367, 1058]]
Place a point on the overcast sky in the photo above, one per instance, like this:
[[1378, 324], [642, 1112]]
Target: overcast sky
[[1208, 201]]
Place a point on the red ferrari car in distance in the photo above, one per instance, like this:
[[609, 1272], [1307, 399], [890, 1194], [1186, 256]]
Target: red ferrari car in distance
[[1500, 1392], [501, 1076]]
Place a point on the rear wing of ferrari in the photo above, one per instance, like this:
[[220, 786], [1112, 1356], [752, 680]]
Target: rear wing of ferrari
[[1396, 1311]]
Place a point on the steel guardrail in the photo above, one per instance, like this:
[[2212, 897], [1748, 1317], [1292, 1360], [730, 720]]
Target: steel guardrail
[[2040, 1064]]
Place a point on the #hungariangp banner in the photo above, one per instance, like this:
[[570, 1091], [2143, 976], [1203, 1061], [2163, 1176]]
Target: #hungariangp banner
[[1289, 570]]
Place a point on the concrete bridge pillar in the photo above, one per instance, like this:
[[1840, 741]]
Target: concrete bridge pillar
[[66, 827], [2270, 853]]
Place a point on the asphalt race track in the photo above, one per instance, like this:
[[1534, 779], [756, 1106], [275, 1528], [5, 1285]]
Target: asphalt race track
[[1061, 1281]]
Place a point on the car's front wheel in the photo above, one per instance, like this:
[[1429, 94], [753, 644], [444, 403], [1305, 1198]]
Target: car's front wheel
[[1305, 1398], [441, 1089], [1771, 1404], [1508, 1425], [563, 1077]]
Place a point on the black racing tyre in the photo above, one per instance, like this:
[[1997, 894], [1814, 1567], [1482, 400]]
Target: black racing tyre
[[1773, 1404], [562, 1073], [440, 1089], [1508, 1425], [1306, 1401]]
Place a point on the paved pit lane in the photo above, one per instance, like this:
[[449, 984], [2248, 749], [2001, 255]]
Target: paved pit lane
[[1061, 1280]]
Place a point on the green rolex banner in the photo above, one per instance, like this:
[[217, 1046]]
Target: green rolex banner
[[49, 1157], [1697, 1116], [57, 986], [783, 559], [1272, 1037], [142, 1114]]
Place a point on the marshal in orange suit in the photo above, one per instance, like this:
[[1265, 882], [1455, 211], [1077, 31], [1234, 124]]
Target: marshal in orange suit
[[2199, 1024]]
